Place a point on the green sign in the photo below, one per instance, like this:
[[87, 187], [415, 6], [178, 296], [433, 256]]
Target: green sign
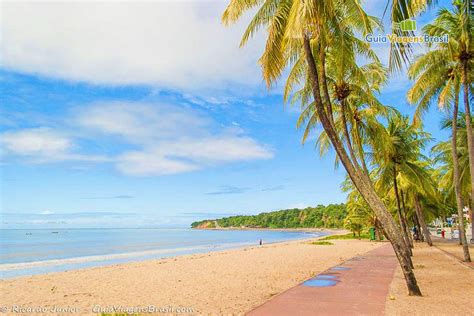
[[405, 25]]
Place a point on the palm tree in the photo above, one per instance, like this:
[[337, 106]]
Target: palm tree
[[358, 212], [397, 153], [438, 73], [352, 89], [306, 28], [421, 194], [466, 56], [444, 160]]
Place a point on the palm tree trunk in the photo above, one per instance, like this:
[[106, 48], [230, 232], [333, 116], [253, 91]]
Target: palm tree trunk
[[360, 148], [399, 213], [405, 219], [471, 214], [346, 132], [363, 184], [421, 219], [457, 181], [378, 230], [326, 99]]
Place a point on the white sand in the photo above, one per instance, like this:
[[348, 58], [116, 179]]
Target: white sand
[[446, 284]]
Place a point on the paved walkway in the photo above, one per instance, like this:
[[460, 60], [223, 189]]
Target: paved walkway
[[359, 286]]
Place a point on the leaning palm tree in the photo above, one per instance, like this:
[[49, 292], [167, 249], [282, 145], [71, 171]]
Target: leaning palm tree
[[306, 28], [352, 88], [440, 74]]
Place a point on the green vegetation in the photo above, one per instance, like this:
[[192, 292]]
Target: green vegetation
[[322, 243], [331, 216], [347, 236]]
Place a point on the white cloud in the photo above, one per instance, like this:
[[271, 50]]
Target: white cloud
[[40, 141], [166, 139], [141, 122], [221, 148], [42, 145], [172, 139], [150, 163], [184, 155], [173, 44]]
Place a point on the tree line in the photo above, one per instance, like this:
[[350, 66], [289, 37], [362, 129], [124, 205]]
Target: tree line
[[331, 216]]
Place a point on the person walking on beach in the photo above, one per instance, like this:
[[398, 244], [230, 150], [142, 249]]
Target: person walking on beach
[[260, 242], [443, 232], [416, 236]]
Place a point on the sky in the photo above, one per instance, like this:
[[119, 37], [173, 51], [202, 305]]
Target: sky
[[134, 114]]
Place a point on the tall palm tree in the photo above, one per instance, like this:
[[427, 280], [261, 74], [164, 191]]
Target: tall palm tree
[[421, 194], [466, 56], [352, 89], [439, 73], [444, 160], [397, 153], [306, 28]]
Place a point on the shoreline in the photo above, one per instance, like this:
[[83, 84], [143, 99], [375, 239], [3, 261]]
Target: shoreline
[[96, 261], [332, 231], [228, 281]]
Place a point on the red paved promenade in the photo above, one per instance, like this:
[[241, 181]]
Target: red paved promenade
[[359, 286]]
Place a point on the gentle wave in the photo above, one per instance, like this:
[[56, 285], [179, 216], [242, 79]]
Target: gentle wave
[[138, 254]]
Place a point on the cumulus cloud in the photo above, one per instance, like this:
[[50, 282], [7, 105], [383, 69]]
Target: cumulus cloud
[[165, 139], [42, 145], [173, 44], [171, 139], [39, 141], [188, 155], [141, 122], [149, 163]]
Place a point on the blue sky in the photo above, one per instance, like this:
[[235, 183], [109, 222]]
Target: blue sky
[[148, 114]]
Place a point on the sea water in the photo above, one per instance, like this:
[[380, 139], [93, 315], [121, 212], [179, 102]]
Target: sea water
[[37, 251]]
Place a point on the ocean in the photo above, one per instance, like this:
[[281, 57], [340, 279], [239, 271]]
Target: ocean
[[38, 251]]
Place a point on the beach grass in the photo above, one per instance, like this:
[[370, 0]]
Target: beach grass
[[322, 243], [347, 236]]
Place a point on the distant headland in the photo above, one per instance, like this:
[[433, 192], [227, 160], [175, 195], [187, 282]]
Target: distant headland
[[330, 216]]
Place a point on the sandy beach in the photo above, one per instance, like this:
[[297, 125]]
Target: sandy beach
[[446, 284], [233, 281]]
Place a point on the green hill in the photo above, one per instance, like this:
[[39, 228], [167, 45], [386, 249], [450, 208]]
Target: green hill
[[331, 216]]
